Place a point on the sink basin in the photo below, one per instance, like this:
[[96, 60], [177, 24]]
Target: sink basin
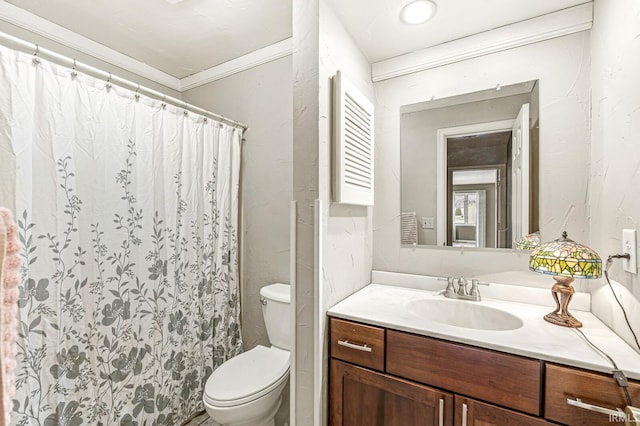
[[465, 314]]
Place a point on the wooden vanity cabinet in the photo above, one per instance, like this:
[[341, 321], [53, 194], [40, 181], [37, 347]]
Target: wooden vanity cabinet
[[406, 379]]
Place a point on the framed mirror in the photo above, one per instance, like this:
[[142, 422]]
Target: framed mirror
[[469, 168]]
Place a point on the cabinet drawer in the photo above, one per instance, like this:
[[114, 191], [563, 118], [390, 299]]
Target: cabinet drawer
[[508, 380], [598, 389], [357, 343]]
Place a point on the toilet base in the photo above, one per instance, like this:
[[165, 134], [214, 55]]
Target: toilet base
[[237, 416]]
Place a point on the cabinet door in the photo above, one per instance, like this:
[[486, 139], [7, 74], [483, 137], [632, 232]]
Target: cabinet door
[[469, 412], [362, 397]]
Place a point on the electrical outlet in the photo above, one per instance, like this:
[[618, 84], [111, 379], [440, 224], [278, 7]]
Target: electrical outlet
[[428, 223], [629, 245]]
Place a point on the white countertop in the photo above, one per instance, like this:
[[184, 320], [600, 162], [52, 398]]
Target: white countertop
[[386, 306]]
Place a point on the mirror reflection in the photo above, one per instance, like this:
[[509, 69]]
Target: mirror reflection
[[470, 168]]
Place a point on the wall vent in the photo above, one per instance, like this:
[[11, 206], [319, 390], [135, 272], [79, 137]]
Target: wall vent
[[353, 144]]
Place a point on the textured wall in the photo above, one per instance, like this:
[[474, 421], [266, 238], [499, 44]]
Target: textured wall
[[305, 192], [347, 230], [562, 66], [260, 97], [615, 163], [343, 244]]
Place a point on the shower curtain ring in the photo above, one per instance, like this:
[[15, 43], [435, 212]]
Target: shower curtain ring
[[35, 59], [137, 95], [73, 70]]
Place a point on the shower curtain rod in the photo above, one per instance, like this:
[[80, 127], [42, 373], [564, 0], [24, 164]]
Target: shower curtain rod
[[29, 47]]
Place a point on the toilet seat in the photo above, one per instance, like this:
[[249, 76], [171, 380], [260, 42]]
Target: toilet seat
[[247, 377]]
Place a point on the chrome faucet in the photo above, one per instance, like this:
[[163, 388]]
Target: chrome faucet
[[462, 292]]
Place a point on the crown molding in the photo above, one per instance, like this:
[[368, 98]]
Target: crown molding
[[37, 25], [261, 56], [556, 24]]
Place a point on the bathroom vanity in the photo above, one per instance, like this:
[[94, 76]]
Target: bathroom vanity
[[392, 364]]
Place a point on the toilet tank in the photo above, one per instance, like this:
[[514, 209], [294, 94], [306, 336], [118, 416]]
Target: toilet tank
[[276, 310]]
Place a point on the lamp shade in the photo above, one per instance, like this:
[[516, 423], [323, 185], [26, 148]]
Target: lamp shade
[[566, 258], [529, 241]]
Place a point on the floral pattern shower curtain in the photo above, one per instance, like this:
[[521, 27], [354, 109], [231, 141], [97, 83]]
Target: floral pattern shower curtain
[[127, 211]]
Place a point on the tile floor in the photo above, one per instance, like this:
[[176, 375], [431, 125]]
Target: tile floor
[[201, 420]]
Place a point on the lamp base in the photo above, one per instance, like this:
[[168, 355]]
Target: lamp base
[[562, 292]]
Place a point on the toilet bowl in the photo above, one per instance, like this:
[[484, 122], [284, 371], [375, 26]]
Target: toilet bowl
[[247, 389]]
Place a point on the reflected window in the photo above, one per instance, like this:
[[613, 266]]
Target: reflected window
[[465, 208]]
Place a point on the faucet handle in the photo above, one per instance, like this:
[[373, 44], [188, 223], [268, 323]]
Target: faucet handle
[[475, 282], [450, 290], [475, 292]]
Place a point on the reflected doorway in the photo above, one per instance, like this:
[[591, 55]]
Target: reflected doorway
[[477, 189]]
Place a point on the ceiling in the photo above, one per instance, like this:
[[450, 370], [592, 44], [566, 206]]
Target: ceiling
[[188, 36], [180, 39]]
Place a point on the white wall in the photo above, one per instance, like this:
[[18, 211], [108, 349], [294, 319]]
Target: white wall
[[343, 243], [260, 97], [305, 271], [615, 173], [347, 250], [347, 230], [562, 66]]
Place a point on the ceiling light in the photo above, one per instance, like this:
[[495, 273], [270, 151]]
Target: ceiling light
[[417, 12]]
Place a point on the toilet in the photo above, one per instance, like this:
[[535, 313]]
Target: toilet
[[247, 389]]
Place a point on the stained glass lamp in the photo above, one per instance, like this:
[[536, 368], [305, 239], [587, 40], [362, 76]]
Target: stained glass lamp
[[565, 260], [529, 241]]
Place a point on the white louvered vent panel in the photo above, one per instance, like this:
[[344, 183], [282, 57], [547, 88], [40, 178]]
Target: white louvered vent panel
[[353, 144]]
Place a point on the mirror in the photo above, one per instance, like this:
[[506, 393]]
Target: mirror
[[469, 168]]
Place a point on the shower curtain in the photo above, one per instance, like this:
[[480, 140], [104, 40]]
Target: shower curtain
[[127, 215]]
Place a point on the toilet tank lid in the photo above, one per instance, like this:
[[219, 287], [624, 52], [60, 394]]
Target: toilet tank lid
[[279, 292]]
